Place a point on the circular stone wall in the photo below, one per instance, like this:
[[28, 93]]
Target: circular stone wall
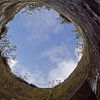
[[85, 78]]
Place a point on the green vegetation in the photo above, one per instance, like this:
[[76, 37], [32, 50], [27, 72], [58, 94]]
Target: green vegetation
[[33, 7], [6, 47], [79, 42]]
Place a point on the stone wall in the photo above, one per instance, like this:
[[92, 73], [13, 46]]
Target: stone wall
[[85, 15]]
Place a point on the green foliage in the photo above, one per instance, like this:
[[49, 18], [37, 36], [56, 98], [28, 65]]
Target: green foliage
[[6, 47], [79, 42], [33, 7], [53, 83]]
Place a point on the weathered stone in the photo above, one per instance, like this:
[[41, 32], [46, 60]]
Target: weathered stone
[[84, 82]]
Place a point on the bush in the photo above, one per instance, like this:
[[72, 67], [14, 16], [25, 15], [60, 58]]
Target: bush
[[6, 47]]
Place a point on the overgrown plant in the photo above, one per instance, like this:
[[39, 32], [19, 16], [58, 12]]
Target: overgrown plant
[[54, 83], [33, 7], [79, 42], [6, 47]]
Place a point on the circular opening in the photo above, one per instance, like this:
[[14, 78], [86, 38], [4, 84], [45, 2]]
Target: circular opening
[[46, 44]]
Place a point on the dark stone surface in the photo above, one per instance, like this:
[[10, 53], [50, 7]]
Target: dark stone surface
[[84, 93], [85, 14]]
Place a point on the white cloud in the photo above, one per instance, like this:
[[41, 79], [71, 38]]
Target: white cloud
[[12, 63], [62, 70], [27, 21], [63, 67], [49, 17], [78, 53], [48, 23], [57, 53], [63, 64], [58, 29], [59, 72], [35, 77]]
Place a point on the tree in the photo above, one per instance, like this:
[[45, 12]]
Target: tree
[[6, 47], [79, 44], [33, 7], [84, 82]]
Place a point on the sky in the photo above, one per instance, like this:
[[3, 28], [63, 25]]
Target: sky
[[46, 49]]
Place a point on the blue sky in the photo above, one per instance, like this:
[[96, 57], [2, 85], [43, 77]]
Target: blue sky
[[45, 47]]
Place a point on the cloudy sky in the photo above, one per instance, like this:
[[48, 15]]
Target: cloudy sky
[[45, 48]]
